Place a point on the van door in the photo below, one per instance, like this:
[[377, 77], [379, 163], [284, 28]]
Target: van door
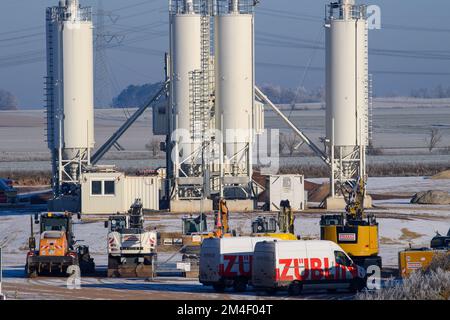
[[320, 261], [209, 262], [345, 270], [264, 265]]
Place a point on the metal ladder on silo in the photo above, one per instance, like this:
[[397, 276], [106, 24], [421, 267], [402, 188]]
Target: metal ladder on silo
[[195, 100], [49, 93], [206, 86], [370, 120], [201, 82]]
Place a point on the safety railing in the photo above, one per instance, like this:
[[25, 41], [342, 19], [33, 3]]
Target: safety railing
[[337, 11], [62, 14]]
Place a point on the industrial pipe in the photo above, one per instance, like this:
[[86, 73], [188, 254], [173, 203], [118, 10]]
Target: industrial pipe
[[315, 148], [234, 6]]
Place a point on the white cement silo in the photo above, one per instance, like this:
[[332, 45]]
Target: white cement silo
[[347, 80], [69, 89], [234, 59], [347, 92], [185, 53]]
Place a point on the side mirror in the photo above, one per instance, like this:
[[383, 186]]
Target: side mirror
[[32, 243], [106, 224]]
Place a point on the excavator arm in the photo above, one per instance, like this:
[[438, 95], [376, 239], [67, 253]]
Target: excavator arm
[[286, 217], [355, 199], [222, 220]]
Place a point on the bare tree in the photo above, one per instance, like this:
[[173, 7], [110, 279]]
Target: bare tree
[[153, 146], [290, 142], [7, 100], [433, 139]]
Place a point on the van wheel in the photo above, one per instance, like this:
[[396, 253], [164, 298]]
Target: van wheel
[[295, 288], [271, 291], [240, 285], [357, 285], [219, 287]]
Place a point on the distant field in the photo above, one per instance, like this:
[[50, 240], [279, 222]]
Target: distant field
[[400, 127]]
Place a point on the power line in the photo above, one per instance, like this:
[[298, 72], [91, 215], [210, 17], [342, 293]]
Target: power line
[[390, 72], [133, 5], [275, 40]]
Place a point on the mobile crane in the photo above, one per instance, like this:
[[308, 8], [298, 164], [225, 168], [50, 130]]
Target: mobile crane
[[131, 248]]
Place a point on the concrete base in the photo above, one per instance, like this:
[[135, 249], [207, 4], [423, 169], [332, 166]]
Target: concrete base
[[339, 203], [240, 205], [190, 206]]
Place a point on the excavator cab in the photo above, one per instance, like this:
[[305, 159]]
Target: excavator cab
[[441, 242], [280, 227], [263, 225], [191, 225]]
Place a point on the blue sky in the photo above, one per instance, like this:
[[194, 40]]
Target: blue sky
[[285, 32]]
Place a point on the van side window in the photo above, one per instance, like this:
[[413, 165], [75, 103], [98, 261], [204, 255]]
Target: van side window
[[342, 259]]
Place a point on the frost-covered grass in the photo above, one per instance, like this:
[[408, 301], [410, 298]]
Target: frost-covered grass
[[388, 168], [430, 284]]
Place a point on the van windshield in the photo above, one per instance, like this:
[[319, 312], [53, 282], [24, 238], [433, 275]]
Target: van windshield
[[342, 259]]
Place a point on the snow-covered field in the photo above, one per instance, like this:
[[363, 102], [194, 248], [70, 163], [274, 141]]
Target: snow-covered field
[[401, 224]]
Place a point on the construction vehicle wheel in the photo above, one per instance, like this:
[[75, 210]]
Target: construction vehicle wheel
[[148, 260], [219, 287], [113, 274], [240, 285], [30, 273], [295, 288]]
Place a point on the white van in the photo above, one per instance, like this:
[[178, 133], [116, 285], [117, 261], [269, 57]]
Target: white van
[[304, 264], [228, 262]]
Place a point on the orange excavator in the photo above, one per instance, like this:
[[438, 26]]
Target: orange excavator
[[222, 227]]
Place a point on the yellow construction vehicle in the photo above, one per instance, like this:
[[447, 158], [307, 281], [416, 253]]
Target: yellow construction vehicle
[[355, 232], [195, 231], [57, 248], [281, 227], [413, 259]]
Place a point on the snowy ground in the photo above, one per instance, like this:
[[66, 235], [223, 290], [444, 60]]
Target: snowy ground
[[401, 224]]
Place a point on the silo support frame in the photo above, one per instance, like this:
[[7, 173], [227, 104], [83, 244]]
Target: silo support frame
[[347, 168]]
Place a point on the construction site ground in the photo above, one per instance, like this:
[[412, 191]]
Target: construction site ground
[[401, 224]]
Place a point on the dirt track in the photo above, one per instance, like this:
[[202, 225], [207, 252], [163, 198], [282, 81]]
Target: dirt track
[[129, 289]]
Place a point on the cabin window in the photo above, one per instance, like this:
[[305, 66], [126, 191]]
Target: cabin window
[[110, 188], [103, 188], [96, 188], [342, 259]]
